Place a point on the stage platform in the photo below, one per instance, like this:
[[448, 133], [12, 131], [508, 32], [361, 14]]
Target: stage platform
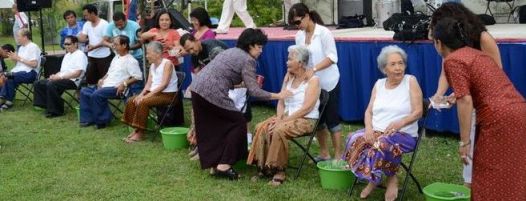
[[357, 52]]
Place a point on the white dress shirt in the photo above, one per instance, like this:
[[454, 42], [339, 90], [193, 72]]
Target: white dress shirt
[[322, 45], [122, 68], [74, 61], [28, 52]]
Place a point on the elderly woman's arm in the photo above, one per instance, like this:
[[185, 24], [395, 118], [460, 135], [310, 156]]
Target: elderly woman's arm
[[368, 118], [280, 109], [312, 94], [416, 108]]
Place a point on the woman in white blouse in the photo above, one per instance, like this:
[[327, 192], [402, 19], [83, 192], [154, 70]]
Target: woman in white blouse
[[160, 89], [320, 42], [391, 125], [295, 117]]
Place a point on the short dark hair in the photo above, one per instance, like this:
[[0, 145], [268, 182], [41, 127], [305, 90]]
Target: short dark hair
[[72, 38], [451, 33], [186, 37], [251, 37], [8, 47], [162, 12], [119, 16], [202, 16], [124, 40], [68, 13], [90, 8]]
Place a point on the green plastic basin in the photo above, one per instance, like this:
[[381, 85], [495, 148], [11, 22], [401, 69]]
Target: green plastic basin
[[442, 191], [334, 175], [174, 138]]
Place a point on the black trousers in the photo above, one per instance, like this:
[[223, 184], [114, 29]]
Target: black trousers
[[48, 94], [97, 68]]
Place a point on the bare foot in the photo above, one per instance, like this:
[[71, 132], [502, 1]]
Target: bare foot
[[367, 190], [392, 188]]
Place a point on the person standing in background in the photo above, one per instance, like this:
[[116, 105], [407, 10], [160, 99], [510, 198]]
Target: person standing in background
[[73, 28], [99, 55], [229, 8], [20, 23]]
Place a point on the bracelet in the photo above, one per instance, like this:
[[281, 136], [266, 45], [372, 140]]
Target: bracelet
[[462, 144]]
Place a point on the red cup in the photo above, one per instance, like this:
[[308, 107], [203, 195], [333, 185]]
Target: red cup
[[260, 79]]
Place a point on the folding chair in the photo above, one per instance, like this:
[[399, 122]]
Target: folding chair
[[161, 117], [26, 89], [509, 3], [324, 98], [409, 169]]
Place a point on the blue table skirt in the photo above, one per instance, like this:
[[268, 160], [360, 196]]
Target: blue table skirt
[[359, 72]]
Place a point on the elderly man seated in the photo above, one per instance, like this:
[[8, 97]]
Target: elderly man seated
[[124, 71], [25, 71], [390, 125], [295, 116], [48, 92]]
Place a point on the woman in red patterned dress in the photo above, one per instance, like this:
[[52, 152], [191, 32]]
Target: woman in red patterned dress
[[499, 166]]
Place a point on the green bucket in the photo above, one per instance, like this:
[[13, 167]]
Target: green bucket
[[442, 191], [174, 137], [334, 175]]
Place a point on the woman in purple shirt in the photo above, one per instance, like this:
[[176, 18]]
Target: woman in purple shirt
[[220, 127], [201, 22]]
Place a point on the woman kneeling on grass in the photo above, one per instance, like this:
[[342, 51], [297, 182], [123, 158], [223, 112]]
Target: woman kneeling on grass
[[295, 116], [391, 125], [160, 89]]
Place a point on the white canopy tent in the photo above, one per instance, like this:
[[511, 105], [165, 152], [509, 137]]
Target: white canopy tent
[[6, 3]]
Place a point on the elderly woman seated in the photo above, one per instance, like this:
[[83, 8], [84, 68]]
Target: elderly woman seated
[[390, 124], [295, 116], [160, 89]]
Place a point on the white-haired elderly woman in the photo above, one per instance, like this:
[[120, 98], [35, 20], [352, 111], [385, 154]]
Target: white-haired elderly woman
[[160, 89], [390, 124], [295, 116]]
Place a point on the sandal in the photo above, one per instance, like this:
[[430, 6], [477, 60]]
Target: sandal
[[320, 159], [131, 140], [230, 174], [276, 181]]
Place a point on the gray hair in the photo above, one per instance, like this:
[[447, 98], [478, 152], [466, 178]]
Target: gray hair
[[301, 53], [156, 46], [386, 51]]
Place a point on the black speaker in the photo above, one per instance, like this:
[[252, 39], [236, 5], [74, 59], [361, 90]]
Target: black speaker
[[180, 20], [32, 5]]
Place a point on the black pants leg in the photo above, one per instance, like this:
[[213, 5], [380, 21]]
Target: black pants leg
[[39, 93], [54, 90]]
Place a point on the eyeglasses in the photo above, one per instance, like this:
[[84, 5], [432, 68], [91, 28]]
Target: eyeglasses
[[66, 44], [298, 22]]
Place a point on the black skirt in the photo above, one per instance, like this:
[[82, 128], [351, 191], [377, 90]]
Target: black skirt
[[221, 134]]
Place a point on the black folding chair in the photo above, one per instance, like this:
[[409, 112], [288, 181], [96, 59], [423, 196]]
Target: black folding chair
[[26, 89], [324, 98], [161, 113], [409, 169]]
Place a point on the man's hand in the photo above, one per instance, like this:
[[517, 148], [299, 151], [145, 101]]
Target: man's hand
[[120, 89]]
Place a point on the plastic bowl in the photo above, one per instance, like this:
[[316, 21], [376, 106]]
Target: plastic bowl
[[334, 175], [174, 138], [442, 191]]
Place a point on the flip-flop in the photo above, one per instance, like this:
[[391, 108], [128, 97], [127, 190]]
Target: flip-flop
[[320, 159], [276, 182], [131, 140]]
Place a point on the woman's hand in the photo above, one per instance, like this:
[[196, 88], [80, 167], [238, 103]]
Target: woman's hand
[[463, 152], [394, 127], [284, 94], [138, 99], [369, 136]]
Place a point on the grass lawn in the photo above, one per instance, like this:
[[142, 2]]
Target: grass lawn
[[55, 159]]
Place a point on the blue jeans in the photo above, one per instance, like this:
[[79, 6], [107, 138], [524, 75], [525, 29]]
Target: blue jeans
[[8, 90], [94, 106]]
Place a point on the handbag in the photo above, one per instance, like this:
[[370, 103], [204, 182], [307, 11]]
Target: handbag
[[408, 27]]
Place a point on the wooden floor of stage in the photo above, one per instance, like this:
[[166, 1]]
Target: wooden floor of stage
[[502, 32]]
